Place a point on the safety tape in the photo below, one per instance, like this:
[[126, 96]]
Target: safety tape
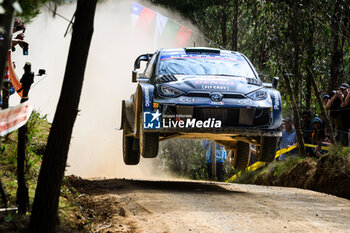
[[259, 164]]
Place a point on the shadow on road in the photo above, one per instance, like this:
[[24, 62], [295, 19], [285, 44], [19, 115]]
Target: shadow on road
[[103, 186]]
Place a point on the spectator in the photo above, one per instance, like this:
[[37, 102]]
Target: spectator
[[339, 114], [318, 135], [220, 155], [307, 128], [326, 142], [325, 100], [345, 113], [288, 139]]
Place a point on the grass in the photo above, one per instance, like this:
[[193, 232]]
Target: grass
[[38, 131], [329, 174]]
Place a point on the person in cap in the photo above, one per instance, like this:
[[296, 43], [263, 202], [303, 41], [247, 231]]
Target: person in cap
[[288, 139], [220, 157], [336, 113], [307, 128], [318, 134], [345, 114], [325, 100]]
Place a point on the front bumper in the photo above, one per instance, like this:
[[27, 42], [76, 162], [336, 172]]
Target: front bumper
[[228, 120]]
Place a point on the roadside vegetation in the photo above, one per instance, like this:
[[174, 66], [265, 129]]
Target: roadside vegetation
[[38, 131], [329, 174], [185, 158]]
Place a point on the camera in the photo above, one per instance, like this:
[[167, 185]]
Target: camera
[[25, 49]]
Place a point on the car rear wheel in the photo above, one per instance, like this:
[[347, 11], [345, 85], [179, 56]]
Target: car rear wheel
[[242, 155], [267, 149], [131, 155], [149, 143]]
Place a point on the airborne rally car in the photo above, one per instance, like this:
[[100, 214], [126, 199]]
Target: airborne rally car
[[201, 93]]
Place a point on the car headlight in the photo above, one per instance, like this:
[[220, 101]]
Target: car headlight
[[258, 95], [170, 91]]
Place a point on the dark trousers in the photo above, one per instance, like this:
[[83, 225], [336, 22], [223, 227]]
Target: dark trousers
[[220, 171]]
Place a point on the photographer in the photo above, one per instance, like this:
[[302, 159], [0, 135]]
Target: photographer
[[338, 113], [345, 113], [7, 80]]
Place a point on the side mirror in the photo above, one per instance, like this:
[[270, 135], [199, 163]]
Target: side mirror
[[134, 76], [275, 82], [144, 57]]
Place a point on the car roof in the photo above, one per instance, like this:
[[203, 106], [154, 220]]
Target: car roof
[[199, 50]]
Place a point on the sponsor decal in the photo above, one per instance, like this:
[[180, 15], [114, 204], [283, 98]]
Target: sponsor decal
[[276, 105], [147, 97], [217, 103], [244, 102], [187, 99], [215, 87], [151, 120], [176, 55], [155, 105], [214, 82]]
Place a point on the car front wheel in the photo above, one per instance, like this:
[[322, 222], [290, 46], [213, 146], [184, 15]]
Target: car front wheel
[[242, 155], [267, 149], [131, 155], [149, 143]]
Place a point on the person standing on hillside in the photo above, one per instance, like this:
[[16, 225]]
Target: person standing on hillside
[[288, 139], [345, 113], [220, 156], [339, 113]]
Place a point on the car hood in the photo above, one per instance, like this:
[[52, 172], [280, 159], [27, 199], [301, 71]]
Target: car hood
[[208, 83]]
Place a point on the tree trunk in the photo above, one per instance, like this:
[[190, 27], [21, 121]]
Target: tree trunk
[[255, 41], [297, 121], [5, 94], [324, 114], [223, 21], [337, 49], [5, 44], [235, 27], [22, 191], [309, 63], [213, 160], [44, 214]]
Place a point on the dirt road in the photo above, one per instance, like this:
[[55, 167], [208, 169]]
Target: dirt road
[[119, 205]]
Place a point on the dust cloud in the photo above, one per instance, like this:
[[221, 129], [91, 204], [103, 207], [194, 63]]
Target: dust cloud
[[95, 149]]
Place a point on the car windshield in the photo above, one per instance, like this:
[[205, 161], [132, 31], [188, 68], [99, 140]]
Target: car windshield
[[205, 64]]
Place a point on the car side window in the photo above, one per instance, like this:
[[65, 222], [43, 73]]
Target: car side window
[[150, 67]]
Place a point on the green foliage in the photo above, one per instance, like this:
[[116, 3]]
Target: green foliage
[[38, 130], [278, 172], [31, 8], [305, 38], [183, 157]]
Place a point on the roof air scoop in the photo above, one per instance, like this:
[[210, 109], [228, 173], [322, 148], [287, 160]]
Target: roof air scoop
[[166, 78], [254, 81]]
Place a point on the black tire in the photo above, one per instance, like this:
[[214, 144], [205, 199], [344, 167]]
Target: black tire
[[267, 150], [148, 143], [131, 154], [242, 154]]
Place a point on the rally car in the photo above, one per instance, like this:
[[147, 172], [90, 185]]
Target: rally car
[[201, 93]]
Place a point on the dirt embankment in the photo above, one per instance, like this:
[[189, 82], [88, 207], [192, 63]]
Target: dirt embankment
[[119, 205], [330, 174]]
